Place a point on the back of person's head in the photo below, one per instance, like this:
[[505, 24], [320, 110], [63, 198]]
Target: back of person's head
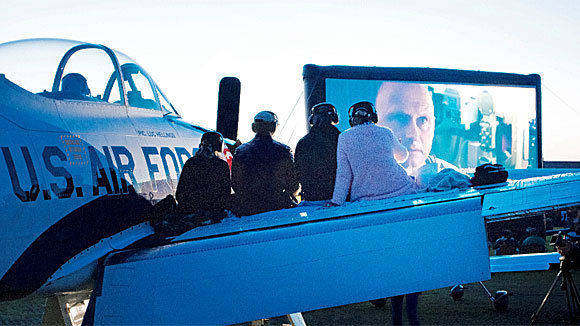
[[265, 122], [507, 233], [531, 231], [362, 112], [211, 142], [75, 83], [323, 114]]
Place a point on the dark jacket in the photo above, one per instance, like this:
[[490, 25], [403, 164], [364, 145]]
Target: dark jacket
[[263, 176], [316, 162], [204, 185], [506, 246]]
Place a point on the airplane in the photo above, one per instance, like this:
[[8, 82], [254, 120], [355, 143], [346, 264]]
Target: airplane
[[87, 160], [308, 258], [79, 167]]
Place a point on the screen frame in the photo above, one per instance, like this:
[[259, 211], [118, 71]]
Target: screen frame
[[315, 76]]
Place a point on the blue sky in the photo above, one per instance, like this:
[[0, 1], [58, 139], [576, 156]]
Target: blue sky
[[188, 46]]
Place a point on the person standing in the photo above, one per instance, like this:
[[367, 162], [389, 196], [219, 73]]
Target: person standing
[[315, 158], [263, 173]]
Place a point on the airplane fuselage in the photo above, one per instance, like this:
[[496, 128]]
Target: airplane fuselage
[[76, 172]]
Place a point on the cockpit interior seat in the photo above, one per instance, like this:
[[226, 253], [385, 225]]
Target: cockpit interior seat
[[136, 100]]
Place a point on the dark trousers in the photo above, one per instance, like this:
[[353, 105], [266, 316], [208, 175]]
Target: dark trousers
[[397, 308]]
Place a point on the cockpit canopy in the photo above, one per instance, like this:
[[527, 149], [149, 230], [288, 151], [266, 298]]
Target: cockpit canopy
[[71, 70]]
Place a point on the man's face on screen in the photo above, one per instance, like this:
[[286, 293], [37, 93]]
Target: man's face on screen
[[407, 109]]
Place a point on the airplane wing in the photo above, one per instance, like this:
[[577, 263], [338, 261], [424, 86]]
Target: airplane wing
[[308, 258]]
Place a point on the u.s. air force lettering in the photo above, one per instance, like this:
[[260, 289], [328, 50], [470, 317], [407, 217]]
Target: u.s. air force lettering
[[112, 169]]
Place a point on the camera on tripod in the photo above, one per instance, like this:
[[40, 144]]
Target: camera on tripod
[[568, 246], [558, 240]]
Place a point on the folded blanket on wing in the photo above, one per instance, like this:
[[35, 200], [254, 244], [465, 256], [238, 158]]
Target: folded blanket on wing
[[448, 179]]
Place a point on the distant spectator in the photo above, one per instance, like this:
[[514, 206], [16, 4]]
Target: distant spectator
[[506, 244], [533, 243]]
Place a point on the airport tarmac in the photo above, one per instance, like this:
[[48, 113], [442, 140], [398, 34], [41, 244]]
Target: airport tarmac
[[435, 307]]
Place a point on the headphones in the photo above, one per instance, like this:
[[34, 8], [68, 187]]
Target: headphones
[[214, 139], [323, 109], [76, 81], [362, 112], [265, 121]]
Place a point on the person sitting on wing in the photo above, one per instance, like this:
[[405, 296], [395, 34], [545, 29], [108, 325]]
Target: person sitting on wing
[[204, 187]]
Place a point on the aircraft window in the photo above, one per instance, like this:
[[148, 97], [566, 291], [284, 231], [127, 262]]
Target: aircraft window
[[165, 105], [31, 63], [139, 90], [115, 96], [85, 76]]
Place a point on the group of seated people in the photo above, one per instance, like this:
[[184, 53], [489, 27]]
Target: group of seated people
[[534, 240], [329, 167], [361, 163], [507, 244]]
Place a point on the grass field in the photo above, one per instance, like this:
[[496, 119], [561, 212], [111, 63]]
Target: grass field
[[435, 307]]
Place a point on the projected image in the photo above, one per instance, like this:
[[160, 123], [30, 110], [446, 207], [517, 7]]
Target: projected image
[[449, 125]]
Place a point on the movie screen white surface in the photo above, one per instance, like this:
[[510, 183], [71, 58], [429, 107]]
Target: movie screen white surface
[[462, 125]]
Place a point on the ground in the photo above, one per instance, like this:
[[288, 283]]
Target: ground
[[435, 307]]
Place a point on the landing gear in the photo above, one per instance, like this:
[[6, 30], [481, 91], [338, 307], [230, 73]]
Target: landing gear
[[499, 300]]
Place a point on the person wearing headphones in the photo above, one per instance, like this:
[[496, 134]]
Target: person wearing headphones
[[204, 187], [74, 86], [315, 158], [368, 168], [368, 158], [263, 173]]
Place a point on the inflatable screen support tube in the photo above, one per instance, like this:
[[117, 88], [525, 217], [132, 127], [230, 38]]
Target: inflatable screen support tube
[[267, 272]]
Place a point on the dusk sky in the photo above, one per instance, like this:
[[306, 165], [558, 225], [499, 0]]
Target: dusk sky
[[188, 46]]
